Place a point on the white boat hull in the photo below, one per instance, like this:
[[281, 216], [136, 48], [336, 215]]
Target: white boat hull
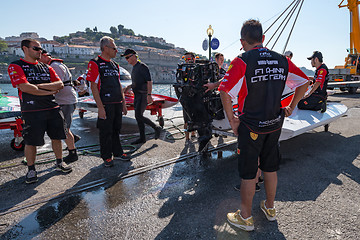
[[299, 122]]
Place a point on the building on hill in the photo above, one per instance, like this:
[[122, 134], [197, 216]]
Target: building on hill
[[22, 37], [77, 50], [29, 35], [131, 39], [61, 50]]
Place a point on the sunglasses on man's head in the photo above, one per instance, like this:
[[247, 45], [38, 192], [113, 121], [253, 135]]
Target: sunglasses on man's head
[[37, 48]]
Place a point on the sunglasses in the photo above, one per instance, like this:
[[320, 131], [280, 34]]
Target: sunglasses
[[37, 48], [113, 48], [127, 57]]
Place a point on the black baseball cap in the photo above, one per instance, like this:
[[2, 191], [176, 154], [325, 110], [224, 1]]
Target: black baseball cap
[[316, 54], [128, 51]]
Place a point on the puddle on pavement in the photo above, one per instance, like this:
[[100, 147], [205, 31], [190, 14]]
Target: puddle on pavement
[[163, 182], [222, 154]]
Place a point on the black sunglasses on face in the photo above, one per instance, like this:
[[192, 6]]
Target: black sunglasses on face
[[37, 48], [127, 57], [114, 48]]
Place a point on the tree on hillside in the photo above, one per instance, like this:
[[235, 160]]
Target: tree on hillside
[[95, 29], [88, 30], [128, 32], [3, 46], [120, 29], [113, 30]]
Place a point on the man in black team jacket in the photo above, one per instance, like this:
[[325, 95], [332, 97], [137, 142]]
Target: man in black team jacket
[[104, 75], [257, 79], [316, 98], [142, 87], [37, 83]]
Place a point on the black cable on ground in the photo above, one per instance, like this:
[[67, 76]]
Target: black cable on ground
[[86, 150]]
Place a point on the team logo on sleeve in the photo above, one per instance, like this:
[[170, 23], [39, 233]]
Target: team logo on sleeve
[[253, 136], [230, 67]]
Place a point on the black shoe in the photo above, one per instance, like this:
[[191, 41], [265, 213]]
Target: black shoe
[[63, 167], [157, 132], [261, 179], [76, 138], [31, 177], [71, 158], [108, 162], [257, 187], [123, 157], [139, 141]]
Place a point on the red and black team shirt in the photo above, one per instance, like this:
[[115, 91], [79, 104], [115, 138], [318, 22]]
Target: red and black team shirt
[[22, 71], [321, 76], [257, 79], [106, 74]]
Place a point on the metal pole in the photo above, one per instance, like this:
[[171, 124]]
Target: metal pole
[[209, 48]]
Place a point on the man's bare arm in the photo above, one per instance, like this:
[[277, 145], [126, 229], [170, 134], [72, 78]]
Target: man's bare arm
[[299, 93], [34, 90], [227, 104], [53, 86]]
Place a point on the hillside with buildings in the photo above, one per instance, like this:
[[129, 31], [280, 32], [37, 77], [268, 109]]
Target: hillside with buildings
[[78, 48]]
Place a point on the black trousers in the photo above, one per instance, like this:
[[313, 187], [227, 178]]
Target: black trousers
[[314, 102], [109, 130], [140, 103]]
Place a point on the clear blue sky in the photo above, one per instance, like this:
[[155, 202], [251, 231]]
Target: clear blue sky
[[321, 25]]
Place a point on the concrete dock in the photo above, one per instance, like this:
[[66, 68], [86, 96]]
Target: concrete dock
[[167, 191]]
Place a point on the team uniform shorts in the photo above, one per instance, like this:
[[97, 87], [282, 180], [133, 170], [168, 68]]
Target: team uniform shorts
[[37, 123], [253, 146], [68, 111]]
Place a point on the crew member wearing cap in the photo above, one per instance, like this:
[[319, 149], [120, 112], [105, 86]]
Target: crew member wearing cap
[[288, 54], [104, 75], [142, 87], [37, 83], [315, 99], [67, 100]]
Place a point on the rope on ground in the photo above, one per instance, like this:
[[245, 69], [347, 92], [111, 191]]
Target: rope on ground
[[89, 149]]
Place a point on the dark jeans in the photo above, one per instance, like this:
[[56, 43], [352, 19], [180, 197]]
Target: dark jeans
[[140, 103], [109, 130], [314, 102]]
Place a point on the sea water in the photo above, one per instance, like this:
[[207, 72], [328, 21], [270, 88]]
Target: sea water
[[162, 89]]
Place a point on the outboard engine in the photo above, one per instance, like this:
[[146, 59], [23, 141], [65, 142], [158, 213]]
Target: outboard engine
[[200, 107]]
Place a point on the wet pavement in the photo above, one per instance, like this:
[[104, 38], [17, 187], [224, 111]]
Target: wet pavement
[[167, 191]]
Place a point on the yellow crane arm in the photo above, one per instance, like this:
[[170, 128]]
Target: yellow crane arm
[[352, 5]]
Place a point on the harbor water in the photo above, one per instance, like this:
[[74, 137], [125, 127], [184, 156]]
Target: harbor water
[[162, 89]]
